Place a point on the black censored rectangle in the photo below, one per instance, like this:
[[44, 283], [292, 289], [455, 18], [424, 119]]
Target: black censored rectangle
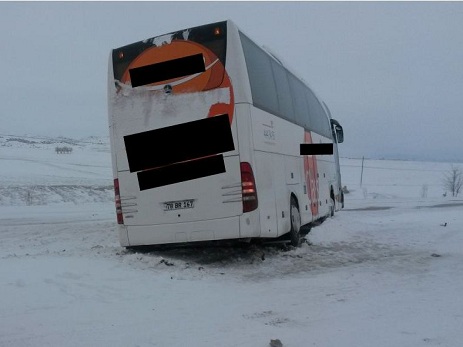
[[178, 143], [167, 70], [316, 148], [181, 172]]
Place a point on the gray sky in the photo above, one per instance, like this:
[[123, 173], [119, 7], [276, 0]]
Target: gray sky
[[391, 72]]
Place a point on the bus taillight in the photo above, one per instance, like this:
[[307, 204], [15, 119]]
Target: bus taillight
[[117, 193], [248, 188]]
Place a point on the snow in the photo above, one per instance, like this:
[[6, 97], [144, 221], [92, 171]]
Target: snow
[[382, 272], [162, 40], [186, 34]]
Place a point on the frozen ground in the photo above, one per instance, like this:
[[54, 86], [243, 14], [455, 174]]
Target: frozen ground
[[383, 272], [32, 173]]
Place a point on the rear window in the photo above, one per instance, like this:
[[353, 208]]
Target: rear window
[[212, 36]]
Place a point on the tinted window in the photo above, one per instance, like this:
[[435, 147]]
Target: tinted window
[[264, 94], [298, 91], [318, 120], [279, 92], [315, 111], [285, 101]]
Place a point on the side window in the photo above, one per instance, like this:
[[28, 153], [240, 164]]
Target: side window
[[301, 111], [317, 116], [283, 91], [276, 90], [314, 111], [260, 73]]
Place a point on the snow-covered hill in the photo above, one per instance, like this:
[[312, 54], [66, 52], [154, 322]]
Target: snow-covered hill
[[33, 173], [385, 271]]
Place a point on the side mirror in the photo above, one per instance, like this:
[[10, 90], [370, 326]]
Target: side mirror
[[338, 133]]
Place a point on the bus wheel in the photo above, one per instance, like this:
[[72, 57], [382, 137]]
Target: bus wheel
[[295, 223]]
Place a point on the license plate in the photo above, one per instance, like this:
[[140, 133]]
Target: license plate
[[179, 205]]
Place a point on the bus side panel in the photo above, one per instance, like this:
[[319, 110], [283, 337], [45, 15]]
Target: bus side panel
[[337, 179], [304, 197], [277, 147], [296, 184], [323, 187], [325, 166], [268, 169], [283, 193], [249, 221], [333, 181]]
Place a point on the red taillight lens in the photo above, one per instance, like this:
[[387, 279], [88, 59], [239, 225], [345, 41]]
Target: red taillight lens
[[120, 217], [248, 188]]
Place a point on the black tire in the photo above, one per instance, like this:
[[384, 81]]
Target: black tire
[[333, 203], [305, 230], [295, 217]]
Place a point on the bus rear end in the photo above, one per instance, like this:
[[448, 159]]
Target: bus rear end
[[177, 171]]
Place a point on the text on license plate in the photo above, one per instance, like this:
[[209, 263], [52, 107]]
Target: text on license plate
[[178, 205]]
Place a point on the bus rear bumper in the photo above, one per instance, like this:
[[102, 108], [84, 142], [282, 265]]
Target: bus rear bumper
[[215, 229]]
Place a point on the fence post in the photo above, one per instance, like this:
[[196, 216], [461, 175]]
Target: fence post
[[361, 174]]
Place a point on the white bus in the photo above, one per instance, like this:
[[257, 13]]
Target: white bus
[[206, 129]]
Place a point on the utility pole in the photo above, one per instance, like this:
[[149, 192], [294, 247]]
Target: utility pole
[[361, 175]]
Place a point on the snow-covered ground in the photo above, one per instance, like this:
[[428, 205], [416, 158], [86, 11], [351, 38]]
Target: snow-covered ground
[[32, 173], [385, 271]]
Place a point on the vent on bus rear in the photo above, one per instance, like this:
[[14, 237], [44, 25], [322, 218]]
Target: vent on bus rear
[[248, 187]]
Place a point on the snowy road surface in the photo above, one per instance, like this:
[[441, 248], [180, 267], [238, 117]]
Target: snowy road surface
[[383, 272], [382, 278]]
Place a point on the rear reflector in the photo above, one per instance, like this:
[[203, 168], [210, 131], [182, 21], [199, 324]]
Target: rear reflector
[[120, 217], [248, 188]]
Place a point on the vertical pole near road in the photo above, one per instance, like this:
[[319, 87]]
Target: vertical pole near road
[[361, 175]]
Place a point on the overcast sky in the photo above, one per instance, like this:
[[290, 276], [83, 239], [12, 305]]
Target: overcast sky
[[391, 72]]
